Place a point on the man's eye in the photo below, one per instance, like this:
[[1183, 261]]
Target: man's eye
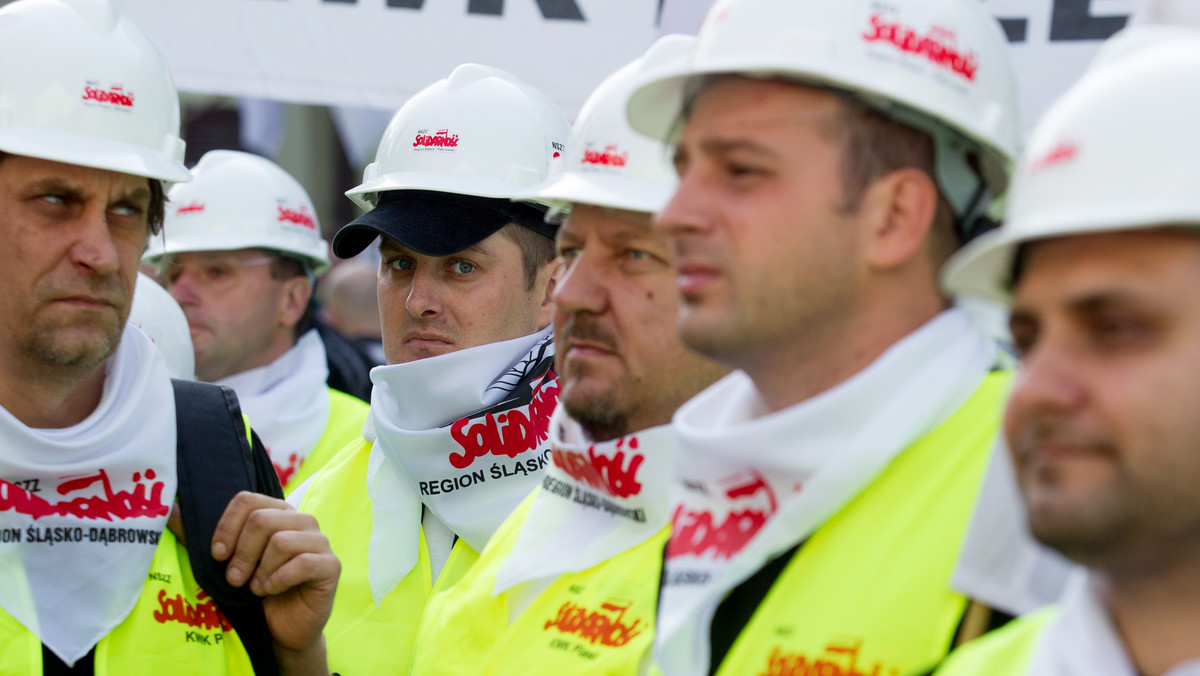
[[680, 162], [742, 170], [214, 272], [400, 264], [127, 211], [637, 254], [54, 199], [1022, 344], [1024, 332], [568, 252], [463, 267], [1119, 330]]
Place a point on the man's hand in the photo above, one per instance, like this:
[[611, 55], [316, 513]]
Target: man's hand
[[285, 559]]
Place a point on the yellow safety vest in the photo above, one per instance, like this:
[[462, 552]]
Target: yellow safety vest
[[346, 417], [174, 629], [360, 637], [869, 591], [597, 621], [1005, 652]]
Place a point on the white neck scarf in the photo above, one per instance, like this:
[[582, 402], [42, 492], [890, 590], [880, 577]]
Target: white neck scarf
[[287, 402], [1081, 640], [597, 500], [467, 434], [750, 486], [82, 507]]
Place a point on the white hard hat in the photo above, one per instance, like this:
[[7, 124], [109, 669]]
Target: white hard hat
[[157, 314], [941, 66], [241, 201], [480, 133], [607, 163], [83, 85], [1118, 151]]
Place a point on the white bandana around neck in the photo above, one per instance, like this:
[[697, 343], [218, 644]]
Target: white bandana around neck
[[467, 434], [1080, 640], [82, 508], [596, 501], [748, 486], [287, 402]]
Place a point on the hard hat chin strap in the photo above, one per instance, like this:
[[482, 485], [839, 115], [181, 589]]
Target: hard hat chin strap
[[966, 191], [956, 173]]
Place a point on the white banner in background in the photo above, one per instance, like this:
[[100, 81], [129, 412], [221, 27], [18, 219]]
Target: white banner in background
[[377, 53]]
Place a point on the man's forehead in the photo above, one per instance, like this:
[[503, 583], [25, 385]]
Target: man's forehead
[[1115, 265], [217, 255], [38, 170], [733, 102], [608, 222]]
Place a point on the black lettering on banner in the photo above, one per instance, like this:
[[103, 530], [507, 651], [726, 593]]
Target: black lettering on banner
[[551, 9], [1014, 29], [1073, 20]]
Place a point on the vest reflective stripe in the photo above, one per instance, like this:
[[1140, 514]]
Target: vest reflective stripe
[[360, 637], [346, 417], [869, 591], [597, 621], [1005, 652], [174, 629]]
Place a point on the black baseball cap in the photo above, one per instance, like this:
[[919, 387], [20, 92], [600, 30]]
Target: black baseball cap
[[437, 223]]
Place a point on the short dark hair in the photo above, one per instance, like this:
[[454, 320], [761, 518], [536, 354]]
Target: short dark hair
[[873, 146], [157, 209], [284, 267], [537, 250], [156, 212]]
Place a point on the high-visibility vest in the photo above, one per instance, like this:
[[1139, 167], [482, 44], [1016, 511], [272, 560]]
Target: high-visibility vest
[[596, 621], [175, 628], [360, 637], [1007, 651], [346, 417], [869, 592]]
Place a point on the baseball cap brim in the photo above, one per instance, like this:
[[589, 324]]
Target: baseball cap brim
[[436, 223]]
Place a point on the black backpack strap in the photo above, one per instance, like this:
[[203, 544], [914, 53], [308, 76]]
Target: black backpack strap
[[215, 462]]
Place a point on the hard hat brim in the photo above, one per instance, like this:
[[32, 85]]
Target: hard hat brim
[[615, 192], [96, 153], [984, 267]]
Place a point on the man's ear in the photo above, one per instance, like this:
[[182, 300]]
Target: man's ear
[[900, 209], [294, 301], [547, 283]]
